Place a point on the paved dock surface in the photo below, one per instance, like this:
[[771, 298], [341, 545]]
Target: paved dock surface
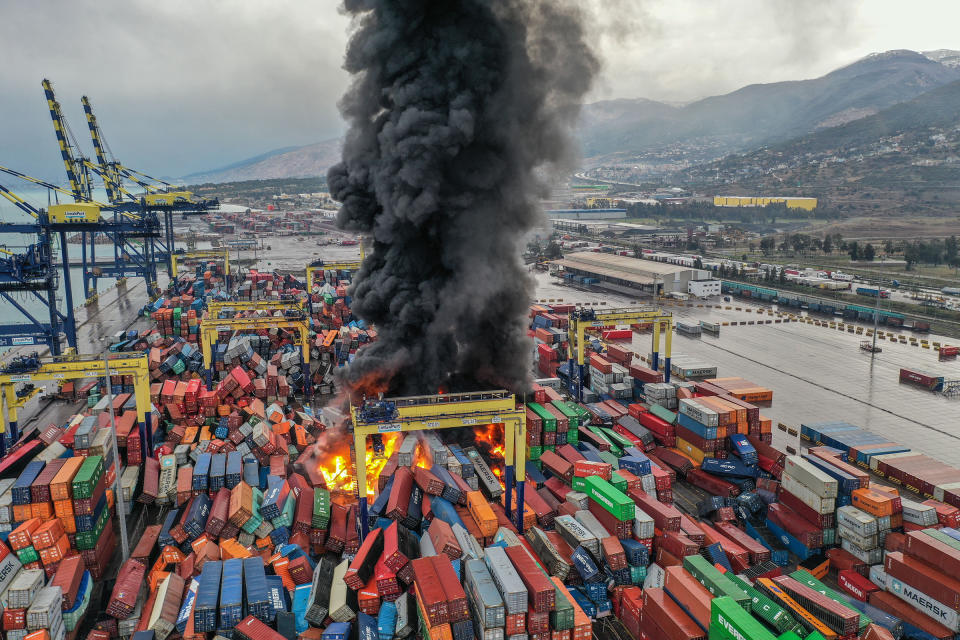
[[817, 374]]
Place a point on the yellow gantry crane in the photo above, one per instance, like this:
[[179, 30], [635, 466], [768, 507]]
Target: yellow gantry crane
[[581, 318], [290, 308], [203, 254], [210, 329], [444, 411], [32, 369], [338, 265]]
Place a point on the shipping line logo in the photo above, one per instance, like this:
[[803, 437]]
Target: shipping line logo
[[924, 602], [729, 628]]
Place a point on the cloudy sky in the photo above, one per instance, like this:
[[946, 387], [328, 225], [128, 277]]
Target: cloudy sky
[[188, 85]]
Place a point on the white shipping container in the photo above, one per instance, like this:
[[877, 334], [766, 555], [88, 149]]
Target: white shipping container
[[864, 542], [806, 496], [642, 524], [878, 576], [9, 567], [876, 460], [578, 499], [916, 513], [591, 524], [810, 476], [870, 556], [939, 490], [700, 413], [859, 521]]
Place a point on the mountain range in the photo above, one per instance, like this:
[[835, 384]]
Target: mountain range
[[652, 133]]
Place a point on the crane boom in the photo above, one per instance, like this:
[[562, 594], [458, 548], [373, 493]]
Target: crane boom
[[76, 173], [20, 203], [110, 180], [42, 183]]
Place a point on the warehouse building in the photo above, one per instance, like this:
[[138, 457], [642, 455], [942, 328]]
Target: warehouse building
[[627, 275], [808, 204]]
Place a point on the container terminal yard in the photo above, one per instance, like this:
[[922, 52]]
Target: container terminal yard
[[412, 435], [628, 527]]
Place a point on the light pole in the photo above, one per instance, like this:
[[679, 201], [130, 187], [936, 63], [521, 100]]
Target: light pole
[[117, 489]]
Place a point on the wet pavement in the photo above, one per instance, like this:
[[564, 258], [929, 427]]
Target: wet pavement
[[816, 373]]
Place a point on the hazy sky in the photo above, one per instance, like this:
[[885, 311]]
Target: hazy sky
[[188, 85]]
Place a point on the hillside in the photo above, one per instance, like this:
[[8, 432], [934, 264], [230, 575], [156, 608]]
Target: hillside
[[904, 158], [292, 162], [645, 131]]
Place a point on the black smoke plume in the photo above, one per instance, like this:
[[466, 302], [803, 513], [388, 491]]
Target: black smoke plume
[[458, 111]]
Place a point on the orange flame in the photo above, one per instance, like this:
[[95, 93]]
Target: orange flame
[[492, 435], [336, 468]]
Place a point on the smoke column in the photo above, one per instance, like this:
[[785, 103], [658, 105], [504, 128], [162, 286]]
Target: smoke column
[[458, 111]]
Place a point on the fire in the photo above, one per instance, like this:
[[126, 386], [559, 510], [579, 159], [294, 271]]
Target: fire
[[490, 437], [336, 468]]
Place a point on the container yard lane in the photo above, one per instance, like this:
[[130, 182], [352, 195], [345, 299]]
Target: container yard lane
[[817, 374]]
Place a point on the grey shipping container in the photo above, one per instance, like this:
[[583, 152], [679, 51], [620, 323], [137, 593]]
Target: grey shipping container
[[483, 594], [507, 580]]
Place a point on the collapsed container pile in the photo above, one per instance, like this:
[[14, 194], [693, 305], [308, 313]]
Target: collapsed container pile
[[660, 506]]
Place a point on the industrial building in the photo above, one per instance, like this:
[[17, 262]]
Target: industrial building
[[586, 214], [627, 275], [807, 204]]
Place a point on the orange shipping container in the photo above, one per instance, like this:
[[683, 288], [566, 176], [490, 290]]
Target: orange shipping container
[[61, 485], [482, 513]]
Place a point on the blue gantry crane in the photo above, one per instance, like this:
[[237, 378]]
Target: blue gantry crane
[[32, 272]]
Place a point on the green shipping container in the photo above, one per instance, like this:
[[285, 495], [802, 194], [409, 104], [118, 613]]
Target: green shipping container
[[767, 610], [580, 411], [534, 453], [612, 500], [321, 508], [579, 484], [87, 477], [716, 583], [256, 519], [942, 537], [614, 449], [88, 539], [573, 436], [829, 537], [805, 577], [549, 421], [792, 635], [728, 621], [28, 554], [637, 574], [616, 438], [610, 459], [572, 416], [663, 413], [561, 618]]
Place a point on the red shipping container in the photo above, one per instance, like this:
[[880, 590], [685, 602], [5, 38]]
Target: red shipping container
[[856, 585], [539, 588], [668, 616], [925, 578]]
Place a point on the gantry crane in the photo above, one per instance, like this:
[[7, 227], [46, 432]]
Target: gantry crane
[[33, 272], [581, 318], [127, 226], [211, 328], [445, 411], [128, 259], [340, 265]]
